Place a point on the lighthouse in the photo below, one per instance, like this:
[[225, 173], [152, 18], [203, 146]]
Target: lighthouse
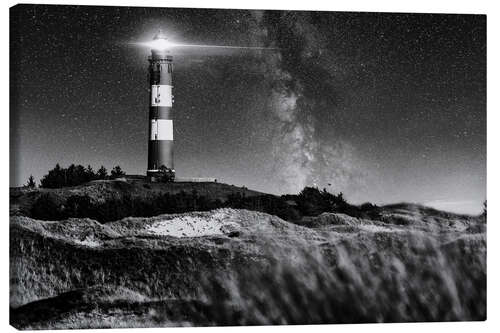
[[161, 128]]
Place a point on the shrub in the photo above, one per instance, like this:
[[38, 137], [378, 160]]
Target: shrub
[[31, 182], [78, 206], [371, 211], [312, 202], [47, 207], [102, 173], [117, 172], [89, 173], [167, 175]]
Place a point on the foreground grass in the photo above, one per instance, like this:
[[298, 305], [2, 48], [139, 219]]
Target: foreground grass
[[422, 280], [344, 271]]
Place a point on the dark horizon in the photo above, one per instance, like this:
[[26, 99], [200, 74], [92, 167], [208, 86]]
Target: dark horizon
[[384, 107]]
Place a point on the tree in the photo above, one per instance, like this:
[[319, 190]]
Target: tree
[[89, 173], [102, 173], [72, 176], [117, 172], [55, 178], [31, 182], [79, 176]]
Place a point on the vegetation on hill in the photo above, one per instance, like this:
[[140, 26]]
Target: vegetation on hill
[[117, 172], [309, 202], [31, 182], [75, 175]]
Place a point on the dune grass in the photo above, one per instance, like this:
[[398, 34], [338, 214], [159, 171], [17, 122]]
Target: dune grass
[[272, 272], [387, 278]]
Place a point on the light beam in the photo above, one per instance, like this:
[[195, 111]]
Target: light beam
[[161, 43]]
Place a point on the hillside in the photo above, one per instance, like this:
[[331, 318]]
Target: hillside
[[240, 267], [130, 187]]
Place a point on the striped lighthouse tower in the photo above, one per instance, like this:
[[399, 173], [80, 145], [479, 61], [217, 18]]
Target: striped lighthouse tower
[[161, 138]]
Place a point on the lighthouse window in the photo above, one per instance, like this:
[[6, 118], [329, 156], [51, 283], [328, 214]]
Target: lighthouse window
[[157, 93], [153, 130], [161, 95]]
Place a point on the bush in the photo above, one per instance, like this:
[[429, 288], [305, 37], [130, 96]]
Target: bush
[[117, 172], [47, 207], [167, 175], [371, 211], [51, 207], [31, 182], [78, 206], [264, 203], [312, 202], [102, 173]]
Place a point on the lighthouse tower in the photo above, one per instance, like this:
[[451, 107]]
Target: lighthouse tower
[[161, 135]]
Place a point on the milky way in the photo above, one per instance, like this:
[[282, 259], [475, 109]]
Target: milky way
[[383, 107]]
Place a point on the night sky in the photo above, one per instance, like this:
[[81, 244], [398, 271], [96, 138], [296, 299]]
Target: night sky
[[383, 107]]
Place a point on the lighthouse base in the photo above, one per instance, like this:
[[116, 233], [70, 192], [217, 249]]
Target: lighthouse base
[[161, 176]]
